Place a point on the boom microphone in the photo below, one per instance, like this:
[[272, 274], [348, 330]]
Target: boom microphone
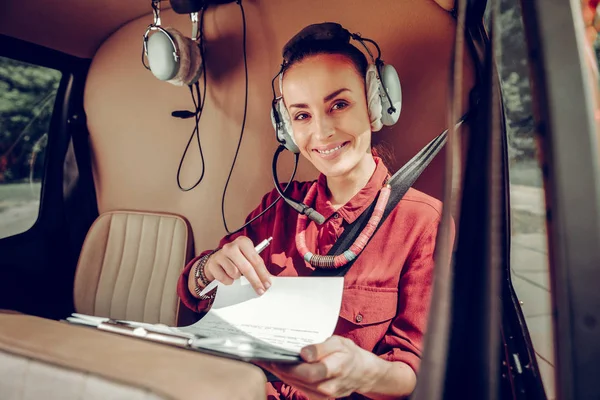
[[300, 207]]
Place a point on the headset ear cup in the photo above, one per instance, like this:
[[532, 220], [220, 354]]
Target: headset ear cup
[[163, 58], [284, 131], [373, 88], [391, 82], [190, 60]]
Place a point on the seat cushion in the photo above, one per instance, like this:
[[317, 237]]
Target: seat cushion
[[129, 266]]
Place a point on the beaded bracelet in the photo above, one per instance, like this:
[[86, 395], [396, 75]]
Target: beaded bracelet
[[200, 275]]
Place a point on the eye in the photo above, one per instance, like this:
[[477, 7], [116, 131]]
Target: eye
[[339, 105], [301, 116]]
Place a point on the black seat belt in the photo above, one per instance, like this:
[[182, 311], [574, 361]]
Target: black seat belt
[[400, 182]]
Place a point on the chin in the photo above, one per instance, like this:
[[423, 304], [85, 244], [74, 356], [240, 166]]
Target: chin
[[337, 169]]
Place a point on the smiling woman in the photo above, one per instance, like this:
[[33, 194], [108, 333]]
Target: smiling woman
[[331, 104]]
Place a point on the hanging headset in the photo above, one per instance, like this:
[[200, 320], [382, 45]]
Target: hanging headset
[[384, 92], [172, 57]]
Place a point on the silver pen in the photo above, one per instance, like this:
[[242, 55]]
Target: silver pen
[[259, 248]]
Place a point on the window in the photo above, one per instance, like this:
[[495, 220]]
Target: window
[[529, 253], [27, 96]]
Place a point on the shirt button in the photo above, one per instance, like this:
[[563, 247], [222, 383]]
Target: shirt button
[[336, 215], [359, 318]]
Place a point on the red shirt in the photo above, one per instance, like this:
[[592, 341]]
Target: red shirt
[[387, 291]]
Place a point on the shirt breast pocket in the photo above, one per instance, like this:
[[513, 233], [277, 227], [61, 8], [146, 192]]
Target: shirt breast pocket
[[366, 314]]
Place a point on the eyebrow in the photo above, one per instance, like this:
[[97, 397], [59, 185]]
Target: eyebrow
[[325, 99]]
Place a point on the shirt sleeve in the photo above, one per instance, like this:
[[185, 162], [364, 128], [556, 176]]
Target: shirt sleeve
[[253, 231], [404, 339]]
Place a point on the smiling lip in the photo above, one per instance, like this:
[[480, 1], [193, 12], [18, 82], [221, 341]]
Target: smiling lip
[[331, 150]]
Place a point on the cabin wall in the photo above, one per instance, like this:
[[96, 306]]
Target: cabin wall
[[137, 145]]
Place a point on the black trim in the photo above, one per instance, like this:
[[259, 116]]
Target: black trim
[[566, 128], [45, 255], [28, 52]]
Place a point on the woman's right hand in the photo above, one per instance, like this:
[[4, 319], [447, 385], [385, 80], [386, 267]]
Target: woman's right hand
[[235, 259]]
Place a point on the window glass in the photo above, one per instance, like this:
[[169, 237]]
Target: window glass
[[529, 254], [27, 96]]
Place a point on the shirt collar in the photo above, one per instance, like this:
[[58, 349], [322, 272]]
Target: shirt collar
[[357, 204]]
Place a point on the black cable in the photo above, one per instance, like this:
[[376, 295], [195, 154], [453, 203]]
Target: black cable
[[378, 62], [195, 132], [237, 150], [198, 101], [273, 203], [299, 206], [373, 43]]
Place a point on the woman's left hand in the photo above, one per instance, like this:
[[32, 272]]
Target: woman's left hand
[[334, 368]]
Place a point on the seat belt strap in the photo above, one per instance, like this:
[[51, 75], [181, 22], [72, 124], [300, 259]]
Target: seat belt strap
[[400, 182]]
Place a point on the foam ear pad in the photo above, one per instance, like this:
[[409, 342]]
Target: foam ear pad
[[391, 82], [179, 65], [373, 88], [284, 131], [190, 60]]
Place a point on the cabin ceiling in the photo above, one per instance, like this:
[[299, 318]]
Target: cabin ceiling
[[76, 27], [79, 27]]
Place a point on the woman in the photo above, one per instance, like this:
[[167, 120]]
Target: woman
[[376, 348]]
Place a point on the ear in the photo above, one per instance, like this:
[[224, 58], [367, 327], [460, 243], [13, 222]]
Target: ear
[[372, 85]]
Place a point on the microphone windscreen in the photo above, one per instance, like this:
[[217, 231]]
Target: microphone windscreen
[[315, 216]]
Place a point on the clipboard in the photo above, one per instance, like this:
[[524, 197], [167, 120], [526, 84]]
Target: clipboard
[[237, 347]]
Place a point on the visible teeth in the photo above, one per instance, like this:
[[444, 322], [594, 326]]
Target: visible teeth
[[330, 150]]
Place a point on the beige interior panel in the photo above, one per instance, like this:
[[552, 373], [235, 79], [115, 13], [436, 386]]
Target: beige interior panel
[[137, 145], [164, 371], [129, 266]]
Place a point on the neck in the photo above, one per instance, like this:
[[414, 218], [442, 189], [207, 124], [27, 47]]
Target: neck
[[343, 188]]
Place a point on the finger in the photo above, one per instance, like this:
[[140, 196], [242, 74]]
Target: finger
[[334, 364], [316, 352], [248, 271], [308, 373], [230, 268], [308, 389], [257, 262], [327, 368], [221, 275], [219, 270]]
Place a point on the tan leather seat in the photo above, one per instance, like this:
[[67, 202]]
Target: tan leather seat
[[129, 266], [45, 359]]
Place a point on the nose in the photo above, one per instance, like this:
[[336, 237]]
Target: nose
[[324, 127]]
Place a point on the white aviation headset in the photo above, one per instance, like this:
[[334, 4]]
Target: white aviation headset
[[384, 96], [384, 93], [172, 57]]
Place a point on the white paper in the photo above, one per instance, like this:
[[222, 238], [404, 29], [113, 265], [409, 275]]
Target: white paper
[[294, 312]]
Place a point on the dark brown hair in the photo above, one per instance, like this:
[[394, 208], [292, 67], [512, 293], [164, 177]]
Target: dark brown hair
[[309, 48]]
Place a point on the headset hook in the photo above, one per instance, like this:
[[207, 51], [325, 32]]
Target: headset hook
[[156, 12]]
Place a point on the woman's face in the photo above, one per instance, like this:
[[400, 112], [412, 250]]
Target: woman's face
[[325, 97]]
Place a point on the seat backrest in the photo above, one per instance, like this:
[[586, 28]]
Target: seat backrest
[[129, 266]]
